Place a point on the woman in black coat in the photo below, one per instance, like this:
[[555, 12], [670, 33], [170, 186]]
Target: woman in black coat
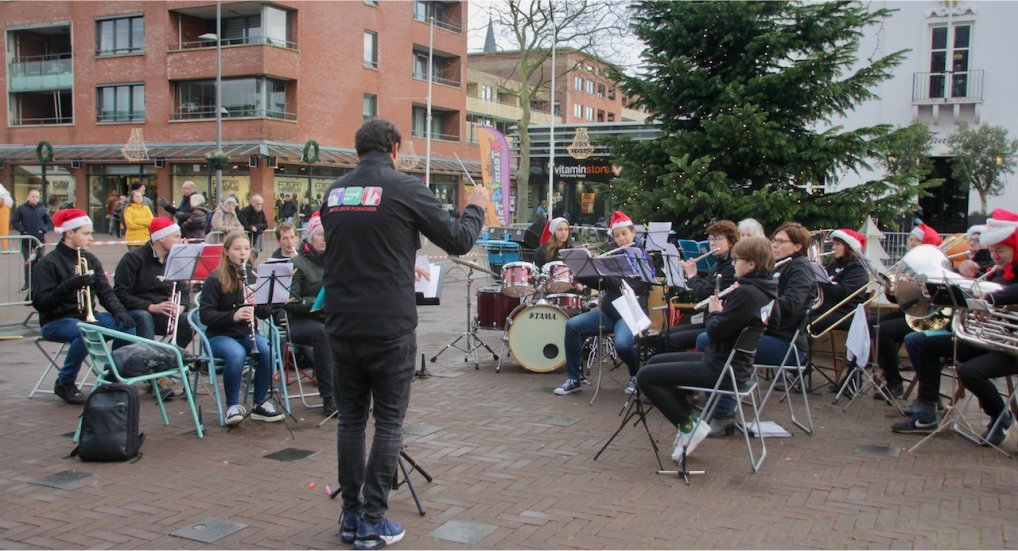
[[847, 275]]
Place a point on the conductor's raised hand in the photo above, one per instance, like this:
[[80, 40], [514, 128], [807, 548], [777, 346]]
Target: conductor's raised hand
[[478, 197]]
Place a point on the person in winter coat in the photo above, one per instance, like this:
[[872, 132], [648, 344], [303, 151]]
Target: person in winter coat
[[137, 217], [847, 274], [224, 219], [252, 217], [32, 218], [749, 305]]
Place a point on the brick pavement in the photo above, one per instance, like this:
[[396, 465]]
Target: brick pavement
[[499, 460]]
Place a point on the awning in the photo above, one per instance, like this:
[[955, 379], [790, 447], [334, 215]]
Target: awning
[[290, 153]]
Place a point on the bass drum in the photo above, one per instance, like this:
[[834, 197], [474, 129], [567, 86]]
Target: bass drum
[[537, 336]]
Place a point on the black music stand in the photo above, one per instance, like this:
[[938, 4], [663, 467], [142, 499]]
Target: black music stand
[[396, 482], [634, 408], [473, 341]]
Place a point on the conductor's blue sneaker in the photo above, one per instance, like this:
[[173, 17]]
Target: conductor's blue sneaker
[[348, 522], [377, 535]]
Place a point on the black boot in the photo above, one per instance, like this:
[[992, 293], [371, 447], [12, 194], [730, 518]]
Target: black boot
[[68, 392]]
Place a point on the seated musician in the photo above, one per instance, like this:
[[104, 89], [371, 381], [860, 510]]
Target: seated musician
[[746, 306], [605, 318], [892, 327], [750, 227], [304, 326], [977, 258], [723, 235], [976, 374], [556, 236], [226, 309], [59, 283], [148, 298], [286, 234], [929, 350], [847, 274]]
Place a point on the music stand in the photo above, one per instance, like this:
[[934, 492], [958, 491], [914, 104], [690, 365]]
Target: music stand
[[396, 482], [191, 261]]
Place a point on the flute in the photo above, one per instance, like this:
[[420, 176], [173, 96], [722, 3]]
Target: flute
[[722, 294], [703, 256], [254, 331]]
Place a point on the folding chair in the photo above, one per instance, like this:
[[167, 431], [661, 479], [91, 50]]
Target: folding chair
[[791, 372], [289, 362], [52, 360], [727, 385], [106, 371]]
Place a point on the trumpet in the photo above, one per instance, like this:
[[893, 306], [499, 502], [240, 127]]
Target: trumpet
[[171, 324], [85, 293], [254, 330]]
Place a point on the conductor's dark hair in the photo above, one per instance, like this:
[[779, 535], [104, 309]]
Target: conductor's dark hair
[[376, 135]]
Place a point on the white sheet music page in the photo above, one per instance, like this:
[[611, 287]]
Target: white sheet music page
[[428, 288], [657, 235], [675, 276], [628, 306], [281, 290], [180, 261]]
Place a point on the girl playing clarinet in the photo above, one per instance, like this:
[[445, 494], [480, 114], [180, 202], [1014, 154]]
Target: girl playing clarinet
[[227, 310]]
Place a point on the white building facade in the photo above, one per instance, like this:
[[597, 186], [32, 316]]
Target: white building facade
[[962, 67]]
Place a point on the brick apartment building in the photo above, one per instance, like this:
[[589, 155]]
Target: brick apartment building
[[82, 75]]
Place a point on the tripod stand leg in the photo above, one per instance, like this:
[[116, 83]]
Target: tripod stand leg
[[409, 483], [414, 466], [448, 346]]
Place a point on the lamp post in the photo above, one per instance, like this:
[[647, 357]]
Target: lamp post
[[219, 93]]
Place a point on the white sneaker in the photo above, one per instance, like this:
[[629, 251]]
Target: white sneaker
[[689, 440], [266, 412], [631, 387], [235, 414]]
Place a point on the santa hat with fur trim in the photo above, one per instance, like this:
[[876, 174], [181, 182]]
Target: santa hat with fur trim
[[927, 235], [161, 227], [619, 220], [553, 223], [70, 219], [1000, 229], [314, 225], [852, 238]]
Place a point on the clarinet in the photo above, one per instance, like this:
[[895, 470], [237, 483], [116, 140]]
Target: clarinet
[[254, 330]]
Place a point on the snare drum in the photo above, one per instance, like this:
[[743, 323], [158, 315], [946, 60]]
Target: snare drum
[[537, 336], [519, 279], [493, 308], [558, 277], [571, 304]]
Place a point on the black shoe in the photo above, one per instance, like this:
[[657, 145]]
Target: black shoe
[[998, 436], [24, 287], [912, 408], [68, 392], [328, 409], [895, 391]]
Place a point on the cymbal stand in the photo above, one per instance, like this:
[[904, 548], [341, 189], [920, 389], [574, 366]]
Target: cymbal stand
[[473, 341]]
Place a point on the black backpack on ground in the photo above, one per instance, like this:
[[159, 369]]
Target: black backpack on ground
[[109, 425]]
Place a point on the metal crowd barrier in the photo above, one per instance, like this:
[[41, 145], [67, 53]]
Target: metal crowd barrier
[[17, 271]]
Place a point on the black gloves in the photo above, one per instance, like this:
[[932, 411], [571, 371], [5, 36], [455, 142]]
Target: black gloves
[[79, 282], [125, 319]]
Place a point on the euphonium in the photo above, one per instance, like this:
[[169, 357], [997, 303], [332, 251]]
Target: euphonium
[[85, 293]]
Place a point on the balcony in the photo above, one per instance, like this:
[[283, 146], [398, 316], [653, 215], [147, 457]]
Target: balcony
[[187, 63], [190, 112], [43, 72], [949, 87], [436, 78]]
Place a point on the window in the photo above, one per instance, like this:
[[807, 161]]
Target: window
[[370, 106], [486, 93], [243, 30], [121, 102], [578, 83], [123, 35], [371, 49], [949, 61], [371, 2], [600, 90], [590, 87], [242, 97], [589, 113], [577, 110]]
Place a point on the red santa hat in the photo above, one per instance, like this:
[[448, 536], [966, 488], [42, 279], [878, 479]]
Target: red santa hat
[[852, 238], [70, 219], [927, 235], [314, 225], [619, 220], [161, 227], [1000, 229], [550, 228]]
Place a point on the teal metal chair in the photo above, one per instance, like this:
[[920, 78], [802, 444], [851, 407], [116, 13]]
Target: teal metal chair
[[96, 337]]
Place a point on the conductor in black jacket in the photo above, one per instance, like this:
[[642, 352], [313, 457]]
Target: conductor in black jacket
[[373, 219]]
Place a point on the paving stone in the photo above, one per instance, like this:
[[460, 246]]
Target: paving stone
[[64, 480], [461, 531], [209, 530]]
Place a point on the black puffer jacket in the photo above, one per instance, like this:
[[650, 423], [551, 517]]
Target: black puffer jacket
[[746, 306], [846, 278], [216, 308], [53, 298], [797, 287], [309, 269]]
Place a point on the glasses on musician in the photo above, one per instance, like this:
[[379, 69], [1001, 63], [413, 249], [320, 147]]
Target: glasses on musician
[[780, 241], [716, 238]]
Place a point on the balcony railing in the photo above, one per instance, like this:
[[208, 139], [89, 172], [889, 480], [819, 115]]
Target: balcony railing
[[420, 133], [209, 113], [121, 116], [238, 41], [948, 87], [16, 121], [419, 75], [441, 23], [41, 65]]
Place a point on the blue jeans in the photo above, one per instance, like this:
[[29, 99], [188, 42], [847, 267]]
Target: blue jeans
[[370, 371], [769, 351], [234, 353], [589, 324], [147, 325], [66, 330]]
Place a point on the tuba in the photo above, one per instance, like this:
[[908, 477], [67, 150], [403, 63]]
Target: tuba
[[996, 329], [928, 263]]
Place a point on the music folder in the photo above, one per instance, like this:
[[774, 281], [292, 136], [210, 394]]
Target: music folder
[[191, 261], [428, 292], [273, 284]]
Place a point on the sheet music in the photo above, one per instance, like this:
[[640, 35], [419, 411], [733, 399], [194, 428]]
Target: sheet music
[[657, 236], [181, 260], [819, 273], [628, 306], [428, 288], [675, 276], [280, 292], [579, 262]]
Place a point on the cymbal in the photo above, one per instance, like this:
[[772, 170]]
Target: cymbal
[[472, 265], [597, 245]]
